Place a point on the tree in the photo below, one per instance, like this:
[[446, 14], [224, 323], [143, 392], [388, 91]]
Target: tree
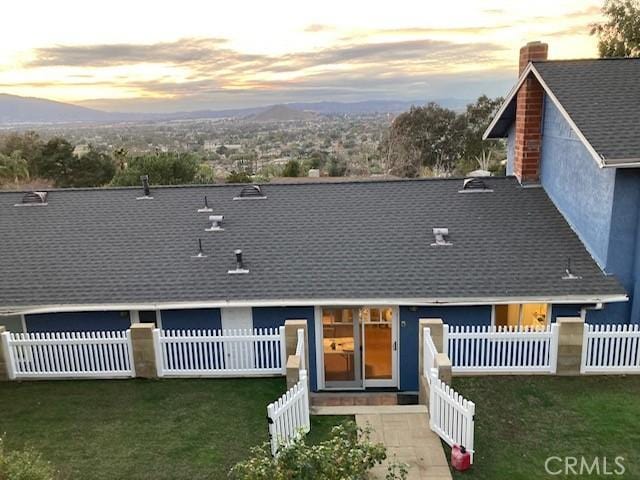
[[55, 160], [291, 169], [619, 35], [425, 136], [13, 168], [162, 168], [347, 454], [28, 146], [93, 169]]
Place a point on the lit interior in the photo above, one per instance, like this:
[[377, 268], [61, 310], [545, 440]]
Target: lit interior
[[525, 315]]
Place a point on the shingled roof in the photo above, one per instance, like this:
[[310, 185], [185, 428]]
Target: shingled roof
[[602, 99], [304, 243]]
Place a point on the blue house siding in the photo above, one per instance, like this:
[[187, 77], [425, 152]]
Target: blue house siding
[[580, 189], [269, 317], [562, 310], [77, 322], [197, 319], [469, 315]]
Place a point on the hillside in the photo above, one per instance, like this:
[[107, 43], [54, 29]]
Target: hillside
[[282, 113], [15, 109]]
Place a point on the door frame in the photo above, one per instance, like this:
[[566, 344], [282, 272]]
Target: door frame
[[395, 354]]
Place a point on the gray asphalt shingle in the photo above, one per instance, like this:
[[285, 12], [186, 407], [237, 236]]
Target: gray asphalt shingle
[[357, 240], [602, 97]]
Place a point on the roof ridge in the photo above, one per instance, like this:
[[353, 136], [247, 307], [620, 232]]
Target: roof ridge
[[570, 60], [262, 184]]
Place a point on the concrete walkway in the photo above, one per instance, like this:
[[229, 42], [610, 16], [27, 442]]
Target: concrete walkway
[[405, 432]]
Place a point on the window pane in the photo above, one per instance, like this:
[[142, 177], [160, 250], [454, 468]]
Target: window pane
[[534, 314]]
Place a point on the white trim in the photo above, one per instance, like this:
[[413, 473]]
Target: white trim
[[532, 69], [23, 321], [512, 93], [134, 316], [159, 319], [418, 302], [317, 325]]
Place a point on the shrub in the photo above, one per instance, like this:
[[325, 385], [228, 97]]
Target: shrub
[[238, 177], [347, 454], [24, 464]]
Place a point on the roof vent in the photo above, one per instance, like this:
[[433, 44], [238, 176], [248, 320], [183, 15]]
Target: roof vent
[[239, 264], [33, 198], [568, 273], [474, 185], [145, 188], [216, 223], [251, 192], [440, 235], [206, 207], [200, 253]]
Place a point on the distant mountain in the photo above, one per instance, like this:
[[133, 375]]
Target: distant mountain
[[29, 110], [15, 109], [282, 113]]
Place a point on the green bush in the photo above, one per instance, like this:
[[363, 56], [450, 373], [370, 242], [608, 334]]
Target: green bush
[[24, 465], [347, 454]]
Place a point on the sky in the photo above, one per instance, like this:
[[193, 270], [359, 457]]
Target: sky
[[161, 56]]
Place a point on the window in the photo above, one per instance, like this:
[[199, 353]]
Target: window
[[522, 315]]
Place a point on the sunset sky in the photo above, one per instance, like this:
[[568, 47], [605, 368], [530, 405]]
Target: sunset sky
[[161, 55]]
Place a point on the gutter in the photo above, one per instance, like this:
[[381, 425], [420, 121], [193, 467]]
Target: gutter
[[454, 302]]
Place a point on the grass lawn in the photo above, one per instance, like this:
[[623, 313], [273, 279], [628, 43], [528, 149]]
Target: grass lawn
[[136, 429], [521, 421]]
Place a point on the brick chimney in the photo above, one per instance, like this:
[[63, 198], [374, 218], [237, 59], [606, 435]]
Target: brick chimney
[[529, 101]]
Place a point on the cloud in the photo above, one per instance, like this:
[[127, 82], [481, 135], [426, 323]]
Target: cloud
[[213, 75], [318, 27], [178, 52]]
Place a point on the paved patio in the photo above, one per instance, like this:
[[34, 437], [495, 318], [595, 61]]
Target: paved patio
[[405, 432]]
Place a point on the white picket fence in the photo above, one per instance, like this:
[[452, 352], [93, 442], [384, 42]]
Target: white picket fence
[[608, 349], [69, 354], [451, 415], [429, 353], [288, 416], [504, 350], [220, 353], [300, 352]]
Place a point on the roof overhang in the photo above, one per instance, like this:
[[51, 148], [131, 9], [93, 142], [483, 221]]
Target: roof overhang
[[453, 301], [497, 128]]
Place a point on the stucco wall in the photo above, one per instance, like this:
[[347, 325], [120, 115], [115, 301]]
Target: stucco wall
[[77, 322], [471, 315], [580, 189]]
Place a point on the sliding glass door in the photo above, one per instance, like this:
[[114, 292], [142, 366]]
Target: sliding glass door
[[359, 347]]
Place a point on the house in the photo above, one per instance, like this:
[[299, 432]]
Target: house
[[361, 261], [573, 128]]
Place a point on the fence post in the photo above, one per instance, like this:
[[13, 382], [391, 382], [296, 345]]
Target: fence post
[[553, 352], [283, 350], [273, 438], [585, 348], [7, 367], [291, 334], [470, 428], [305, 407], [436, 327], [443, 364], [158, 351], [143, 346], [570, 339]]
